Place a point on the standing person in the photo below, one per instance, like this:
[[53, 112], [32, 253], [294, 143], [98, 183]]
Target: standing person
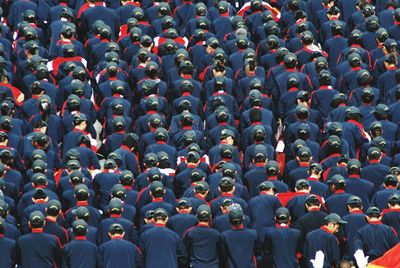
[[80, 252], [239, 245], [38, 249], [7, 248], [375, 238], [324, 239], [118, 252], [161, 247], [201, 241], [282, 237]]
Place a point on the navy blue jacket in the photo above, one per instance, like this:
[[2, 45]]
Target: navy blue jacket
[[162, 247], [238, 247], [7, 247], [375, 239], [282, 237], [321, 239], [119, 253], [79, 253], [201, 246], [38, 249]]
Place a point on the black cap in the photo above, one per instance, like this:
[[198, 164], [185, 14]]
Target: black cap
[[116, 228], [73, 164], [184, 203], [373, 212], [160, 213], [312, 200], [265, 186], [354, 201], [154, 174], [203, 213], [304, 153], [157, 188], [81, 189], [374, 153], [334, 218], [235, 214], [53, 207], [391, 180], [227, 133], [118, 191], [228, 170], [337, 179], [79, 227], [351, 110], [226, 202], [81, 213], [115, 206], [394, 199], [282, 214], [109, 164], [201, 187], [150, 159], [149, 214], [36, 219], [260, 153], [39, 179], [302, 183], [354, 166], [272, 168]]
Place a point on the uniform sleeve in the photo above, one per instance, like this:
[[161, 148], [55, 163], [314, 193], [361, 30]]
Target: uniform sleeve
[[267, 246], [180, 252], [222, 252], [335, 250], [57, 253]]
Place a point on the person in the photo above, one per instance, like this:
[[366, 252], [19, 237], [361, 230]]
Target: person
[[117, 252], [7, 247], [282, 236], [375, 238], [201, 241], [79, 252], [238, 245], [161, 246], [38, 249], [324, 239]]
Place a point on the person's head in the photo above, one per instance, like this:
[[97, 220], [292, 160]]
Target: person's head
[[302, 185], [115, 207], [203, 214], [160, 216], [227, 185], [312, 203], [337, 182], [201, 188], [266, 187], [315, 170], [354, 167], [236, 215], [394, 200], [79, 228], [354, 203], [53, 208], [36, 220], [282, 216], [333, 222], [391, 181], [157, 189], [184, 206], [116, 231], [373, 214]]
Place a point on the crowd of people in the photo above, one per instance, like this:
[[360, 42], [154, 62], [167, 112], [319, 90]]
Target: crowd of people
[[188, 133]]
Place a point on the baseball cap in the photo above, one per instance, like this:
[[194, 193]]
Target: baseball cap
[[373, 212], [301, 184], [334, 218], [203, 213]]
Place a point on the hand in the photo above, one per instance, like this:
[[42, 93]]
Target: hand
[[318, 261], [361, 259]]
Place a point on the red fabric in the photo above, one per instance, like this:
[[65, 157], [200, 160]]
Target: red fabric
[[285, 197], [390, 259]]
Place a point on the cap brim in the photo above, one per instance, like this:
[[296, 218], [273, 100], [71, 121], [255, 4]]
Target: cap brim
[[342, 222]]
